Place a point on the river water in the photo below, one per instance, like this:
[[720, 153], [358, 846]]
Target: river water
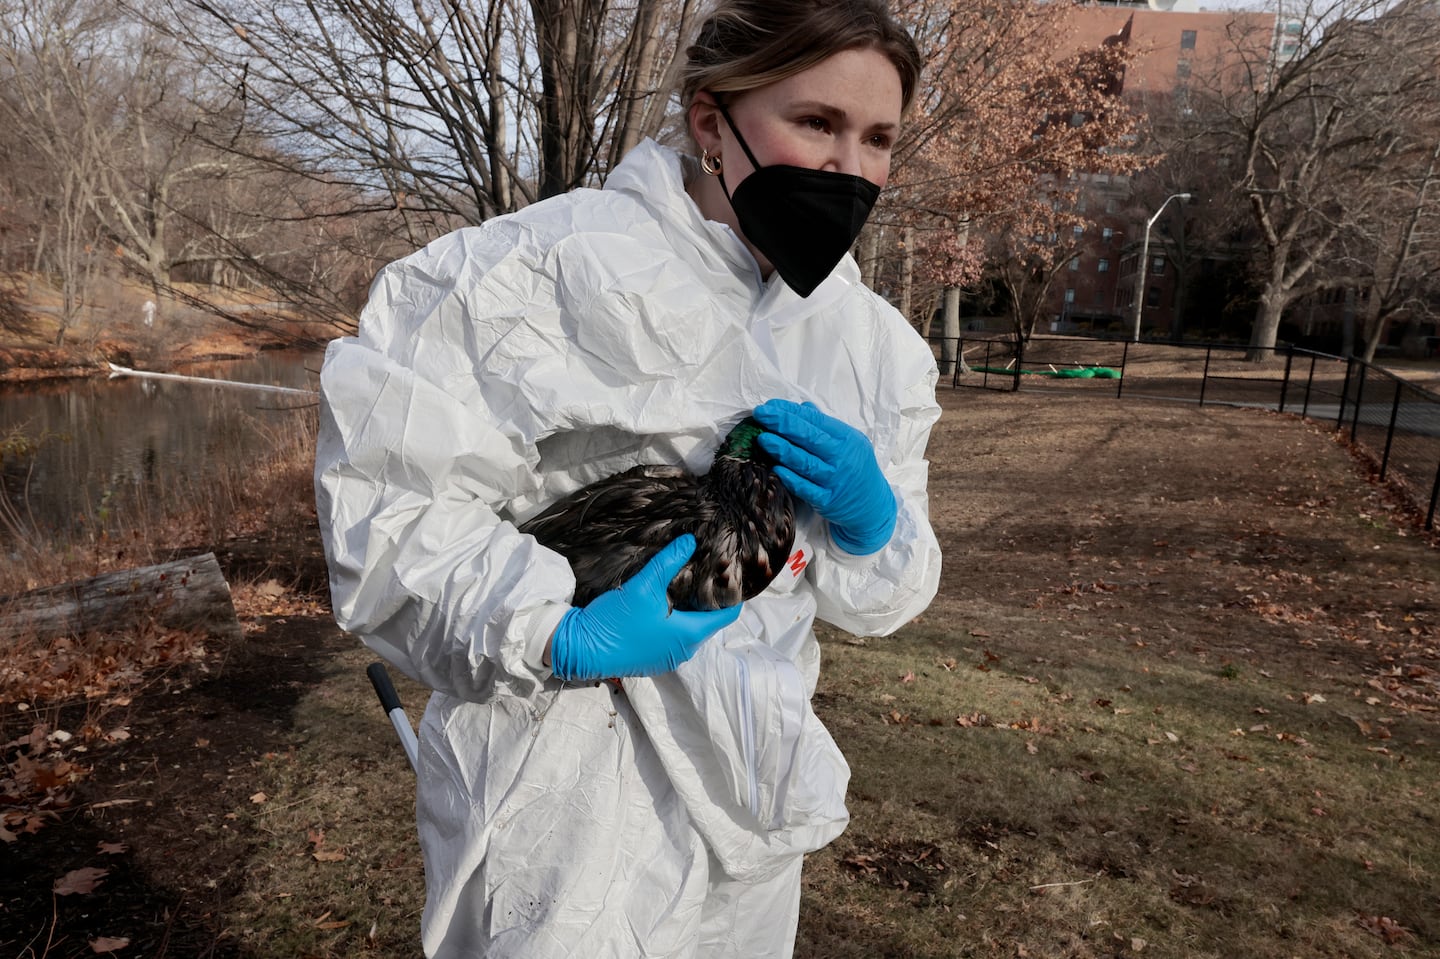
[[73, 450]]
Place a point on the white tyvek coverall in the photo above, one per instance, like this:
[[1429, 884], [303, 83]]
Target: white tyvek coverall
[[504, 366]]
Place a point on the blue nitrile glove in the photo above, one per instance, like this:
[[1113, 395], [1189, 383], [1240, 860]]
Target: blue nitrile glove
[[631, 630], [830, 465]]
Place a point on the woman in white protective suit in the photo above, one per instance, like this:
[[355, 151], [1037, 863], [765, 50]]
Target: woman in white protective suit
[[504, 366]]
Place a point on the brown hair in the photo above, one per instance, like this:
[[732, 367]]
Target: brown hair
[[745, 44]]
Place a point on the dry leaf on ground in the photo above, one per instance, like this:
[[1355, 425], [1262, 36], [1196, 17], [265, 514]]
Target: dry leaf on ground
[[80, 881], [108, 944], [1384, 927]]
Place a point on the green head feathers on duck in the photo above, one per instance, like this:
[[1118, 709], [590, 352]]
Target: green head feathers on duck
[[743, 519]]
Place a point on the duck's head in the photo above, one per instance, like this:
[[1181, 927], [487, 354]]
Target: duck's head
[[740, 443]]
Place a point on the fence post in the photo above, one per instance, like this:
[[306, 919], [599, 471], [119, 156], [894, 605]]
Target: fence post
[[1309, 385], [1344, 394], [1285, 382], [1205, 375], [1359, 401], [1434, 497], [1390, 431], [1019, 361]]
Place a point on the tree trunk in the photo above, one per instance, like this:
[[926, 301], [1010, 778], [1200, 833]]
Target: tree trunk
[[502, 190], [566, 46], [1267, 326], [39, 256], [1347, 324], [950, 344], [869, 256], [907, 276], [639, 69], [188, 594], [1373, 325]]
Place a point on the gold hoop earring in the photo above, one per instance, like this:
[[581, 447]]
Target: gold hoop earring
[[710, 164]]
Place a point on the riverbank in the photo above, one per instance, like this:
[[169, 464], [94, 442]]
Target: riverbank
[[125, 332]]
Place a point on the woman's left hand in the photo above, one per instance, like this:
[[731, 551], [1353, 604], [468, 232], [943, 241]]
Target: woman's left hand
[[830, 465]]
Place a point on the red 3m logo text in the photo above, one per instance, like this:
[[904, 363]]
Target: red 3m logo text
[[798, 562]]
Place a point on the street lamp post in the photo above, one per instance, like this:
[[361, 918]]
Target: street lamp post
[[1144, 267]]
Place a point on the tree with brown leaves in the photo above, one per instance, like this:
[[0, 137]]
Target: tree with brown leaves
[[989, 173]]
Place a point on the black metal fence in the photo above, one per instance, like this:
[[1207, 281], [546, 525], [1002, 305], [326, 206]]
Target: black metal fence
[[1395, 421]]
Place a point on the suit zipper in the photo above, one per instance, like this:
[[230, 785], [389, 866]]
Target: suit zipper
[[747, 734]]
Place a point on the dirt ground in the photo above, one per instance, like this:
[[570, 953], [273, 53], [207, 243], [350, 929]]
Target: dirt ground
[[1208, 526]]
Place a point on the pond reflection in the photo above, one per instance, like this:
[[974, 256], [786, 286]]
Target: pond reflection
[[77, 450]]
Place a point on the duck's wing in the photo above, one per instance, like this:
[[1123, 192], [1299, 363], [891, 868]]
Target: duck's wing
[[611, 528]]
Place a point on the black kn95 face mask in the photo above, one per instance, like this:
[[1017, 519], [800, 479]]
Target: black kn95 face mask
[[803, 220]]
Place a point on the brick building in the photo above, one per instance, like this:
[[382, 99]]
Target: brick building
[[1170, 40]]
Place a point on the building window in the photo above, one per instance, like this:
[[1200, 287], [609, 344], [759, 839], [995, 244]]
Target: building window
[[1110, 204], [1103, 266], [1074, 263], [1070, 294], [1187, 39], [1182, 68], [1107, 234], [1157, 265], [1152, 296], [1079, 231], [1099, 297]]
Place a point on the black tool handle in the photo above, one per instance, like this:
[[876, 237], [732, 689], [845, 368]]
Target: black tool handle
[[384, 688]]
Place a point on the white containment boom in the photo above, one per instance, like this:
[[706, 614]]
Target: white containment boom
[[119, 371]]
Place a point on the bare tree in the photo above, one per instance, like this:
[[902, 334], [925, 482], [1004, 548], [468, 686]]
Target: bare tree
[[300, 239], [1215, 220], [107, 125], [1384, 257], [53, 71], [155, 165], [1388, 249], [444, 109], [1011, 114], [1025, 266], [385, 124], [1312, 134]]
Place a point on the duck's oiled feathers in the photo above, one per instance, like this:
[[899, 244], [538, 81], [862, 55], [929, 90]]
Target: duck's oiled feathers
[[742, 518]]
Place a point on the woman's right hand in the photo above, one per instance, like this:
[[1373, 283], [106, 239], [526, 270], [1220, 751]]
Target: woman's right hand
[[631, 630]]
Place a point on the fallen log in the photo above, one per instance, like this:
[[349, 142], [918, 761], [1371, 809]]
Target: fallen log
[[186, 594]]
